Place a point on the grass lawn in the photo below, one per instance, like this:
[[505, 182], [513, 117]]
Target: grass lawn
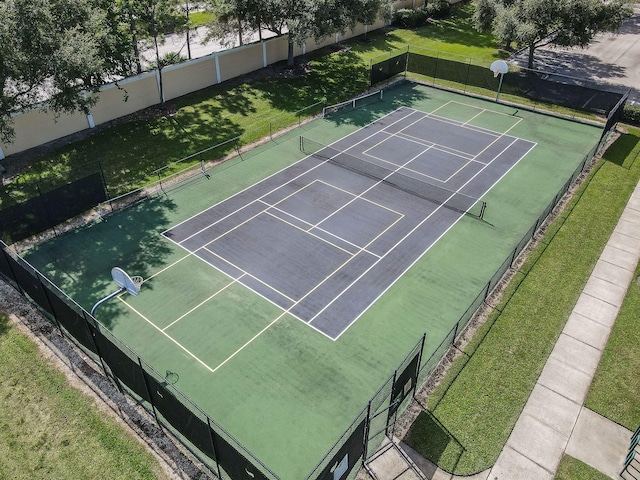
[[615, 389], [572, 469], [455, 34], [50, 430], [130, 153], [200, 18], [472, 412]]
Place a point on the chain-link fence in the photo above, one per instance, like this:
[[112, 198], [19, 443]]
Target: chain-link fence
[[216, 448], [32, 203], [529, 88], [208, 441]]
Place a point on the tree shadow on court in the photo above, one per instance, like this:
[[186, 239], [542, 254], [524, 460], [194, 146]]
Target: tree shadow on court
[[80, 262], [432, 440], [396, 96]]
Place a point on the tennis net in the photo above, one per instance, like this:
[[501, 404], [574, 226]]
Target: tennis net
[[358, 102], [433, 193]]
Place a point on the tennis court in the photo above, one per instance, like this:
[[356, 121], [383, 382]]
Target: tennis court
[[284, 290], [343, 224]]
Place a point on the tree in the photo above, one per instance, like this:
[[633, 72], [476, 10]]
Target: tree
[[233, 18], [50, 51], [301, 19], [119, 43], [151, 20], [536, 23]]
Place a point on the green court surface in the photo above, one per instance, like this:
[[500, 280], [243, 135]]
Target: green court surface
[[284, 390]]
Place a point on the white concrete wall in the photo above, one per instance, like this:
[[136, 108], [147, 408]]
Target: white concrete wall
[[127, 96]]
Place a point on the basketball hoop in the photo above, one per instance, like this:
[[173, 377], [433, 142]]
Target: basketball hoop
[[126, 284], [130, 284], [499, 67]]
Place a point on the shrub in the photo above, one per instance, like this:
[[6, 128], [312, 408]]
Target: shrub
[[631, 115], [413, 18], [410, 18], [437, 9]]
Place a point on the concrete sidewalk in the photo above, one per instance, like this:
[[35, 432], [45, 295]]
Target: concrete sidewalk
[[554, 420]]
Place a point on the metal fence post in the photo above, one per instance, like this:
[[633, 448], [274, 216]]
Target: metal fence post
[[367, 427], [95, 344], [146, 384], [214, 445]]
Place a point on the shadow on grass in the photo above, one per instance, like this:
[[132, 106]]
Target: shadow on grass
[[331, 76], [432, 439], [622, 151], [4, 324]]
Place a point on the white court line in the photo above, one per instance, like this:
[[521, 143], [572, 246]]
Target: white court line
[[200, 304], [245, 274], [287, 311], [405, 168], [169, 337], [276, 173], [499, 138], [312, 227], [405, 237], [248, 343], [167, 267], [435, 146]]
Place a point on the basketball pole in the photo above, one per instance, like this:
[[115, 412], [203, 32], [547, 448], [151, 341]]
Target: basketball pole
[[499, 87], [108, 297]]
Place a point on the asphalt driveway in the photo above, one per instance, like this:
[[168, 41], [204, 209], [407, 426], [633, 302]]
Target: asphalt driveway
[[612, 58]]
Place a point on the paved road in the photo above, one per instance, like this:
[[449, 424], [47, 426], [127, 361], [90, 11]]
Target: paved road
[[199, 48], [613, 58]]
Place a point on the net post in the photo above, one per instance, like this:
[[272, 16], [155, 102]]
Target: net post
[[482, 209], [204, 169]]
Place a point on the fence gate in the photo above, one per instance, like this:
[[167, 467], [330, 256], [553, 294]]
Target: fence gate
[[384, 406]]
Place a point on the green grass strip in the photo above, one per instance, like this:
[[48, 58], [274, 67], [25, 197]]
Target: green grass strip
[[571, 469], [473, 411], [455, 34], [130, 153], [614, 391], [50, 430]]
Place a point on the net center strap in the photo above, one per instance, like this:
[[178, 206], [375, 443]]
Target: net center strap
[[412, 185]]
